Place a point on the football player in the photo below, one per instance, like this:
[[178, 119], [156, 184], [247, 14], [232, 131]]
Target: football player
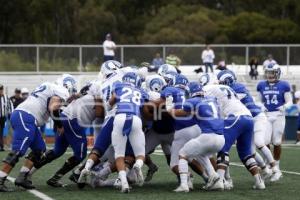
[[238, 127], [129, 99], [260, 120], [34, 112], [275, 94], [209, 142]]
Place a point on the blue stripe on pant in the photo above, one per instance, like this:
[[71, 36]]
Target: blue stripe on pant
[[239, 129], [74, 135], [25, 133]]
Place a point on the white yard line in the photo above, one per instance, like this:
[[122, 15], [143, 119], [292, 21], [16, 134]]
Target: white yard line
[[160, 153], [34, 192]]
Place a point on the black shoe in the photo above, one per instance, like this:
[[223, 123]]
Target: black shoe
[[54, 182], [3, 187], [151, 171], [74, 177], [22, 181]]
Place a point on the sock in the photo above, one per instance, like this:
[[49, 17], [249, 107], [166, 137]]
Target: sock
[[139, 163], [277, 162], [183, 170], [221, 173], [24, 169], [89, 164], [32, 171], [3, 174], [268, 154], [122, 176], [257, 178], [260, 161], [227, 174]]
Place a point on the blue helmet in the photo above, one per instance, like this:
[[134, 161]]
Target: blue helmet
[[195, 89], [166, 68], [226, 77], [132, 78], [179, 81], [272, 72]]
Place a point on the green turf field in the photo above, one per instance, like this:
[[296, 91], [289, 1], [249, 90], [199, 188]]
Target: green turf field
[[164, 182]]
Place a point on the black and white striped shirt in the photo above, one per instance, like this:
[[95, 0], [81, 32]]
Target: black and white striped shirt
[[6, 106]]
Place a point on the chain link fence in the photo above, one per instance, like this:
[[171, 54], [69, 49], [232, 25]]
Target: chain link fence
[[87, 58]]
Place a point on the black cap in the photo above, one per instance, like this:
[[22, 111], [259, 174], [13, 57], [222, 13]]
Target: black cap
[[1, 87], [17, 90]]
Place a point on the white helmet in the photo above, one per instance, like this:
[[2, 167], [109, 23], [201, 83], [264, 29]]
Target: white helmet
[[68, 81], [24, 91], [208, 79], [166, 68], [110, 67], [155, 83]]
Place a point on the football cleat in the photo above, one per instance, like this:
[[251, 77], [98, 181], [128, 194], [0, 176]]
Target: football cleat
[[22, 181], [3, 187], [151, 171], [266, 174], [140, 177], [276, 176], [259, 186], [182, 188], [228, 184], [190, 181], [125, 188], [211, 181], [83, 178]]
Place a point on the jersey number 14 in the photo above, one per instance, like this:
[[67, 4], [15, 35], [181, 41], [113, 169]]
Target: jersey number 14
[[272, 100]]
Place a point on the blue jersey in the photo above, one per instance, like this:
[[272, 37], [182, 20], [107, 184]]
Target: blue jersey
[[178, 96], [247, 100], [273, 94], [129, 99], [207, 114]]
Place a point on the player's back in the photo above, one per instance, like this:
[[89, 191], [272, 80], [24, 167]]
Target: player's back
[[246, 98], [83, 109], [227, 99], [177, 95], [207, 113], [37, 103], [129, 99]]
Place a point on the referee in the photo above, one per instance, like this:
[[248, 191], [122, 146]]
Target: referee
[[6, 107]]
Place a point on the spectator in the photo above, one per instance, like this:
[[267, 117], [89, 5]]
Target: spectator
[[208, 57], [17, 98], [174, 60], [253, 68], [24, 93], [108, 48], [269, 60], [156, 63], [6, 107]]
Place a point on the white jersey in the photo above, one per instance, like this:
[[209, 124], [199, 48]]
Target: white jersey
[[37, 103], [227, 99], [83, 109], [107, 48], [95, 88], [153, 96], [106, 91]]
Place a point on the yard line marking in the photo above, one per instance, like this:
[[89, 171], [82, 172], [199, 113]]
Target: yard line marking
[[34, 192], [159, 153], [287, 172]]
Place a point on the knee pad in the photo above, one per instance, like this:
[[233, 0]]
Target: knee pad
[[223, 159], [250, 162], [48, 157], [12, 158], [34, 156]]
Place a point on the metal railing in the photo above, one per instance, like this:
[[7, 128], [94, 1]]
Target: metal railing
[[41, 58]]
